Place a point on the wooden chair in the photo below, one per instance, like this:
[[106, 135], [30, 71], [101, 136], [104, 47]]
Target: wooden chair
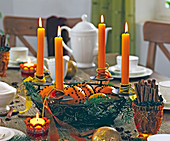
[[26, 26], [157, 34]]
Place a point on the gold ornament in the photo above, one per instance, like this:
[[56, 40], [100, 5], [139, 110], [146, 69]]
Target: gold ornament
[[71, 69], [106, 134]]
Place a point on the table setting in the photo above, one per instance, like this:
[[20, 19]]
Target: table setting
[[90, 105]]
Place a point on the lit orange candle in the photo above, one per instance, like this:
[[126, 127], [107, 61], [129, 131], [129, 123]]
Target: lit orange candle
[[40, 49], [125, 56], [37, 120], [101, 40], [59, 60], [29, 65]]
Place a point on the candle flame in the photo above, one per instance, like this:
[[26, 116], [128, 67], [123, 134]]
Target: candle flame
[[29, 61], [102, 19], [37, 116], [59, 31], [40, 22], [126, 27]]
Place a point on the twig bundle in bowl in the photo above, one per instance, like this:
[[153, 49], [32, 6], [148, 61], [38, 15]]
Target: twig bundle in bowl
[[4, 55], [147, 108]]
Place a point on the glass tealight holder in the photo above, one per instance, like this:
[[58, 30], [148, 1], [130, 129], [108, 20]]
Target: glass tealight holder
[[147, 119], [27, 70], [37, 132]]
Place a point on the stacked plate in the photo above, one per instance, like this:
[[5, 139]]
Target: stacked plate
[[135, 71], [139, 71], [8, 133], [15, 64]]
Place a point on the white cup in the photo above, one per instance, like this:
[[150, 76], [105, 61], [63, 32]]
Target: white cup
[[133, 62], [18, 54], [51, 66], [164, 88]]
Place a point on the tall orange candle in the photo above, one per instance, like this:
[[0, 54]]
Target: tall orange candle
[[59, 61], [101, 43], [40, 49], [125, 56]]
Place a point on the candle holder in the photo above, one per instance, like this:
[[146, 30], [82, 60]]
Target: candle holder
[[4, 60], [103, 75], [101, 80], [27, 71], [40, 80], [126, 89], [38, 131]]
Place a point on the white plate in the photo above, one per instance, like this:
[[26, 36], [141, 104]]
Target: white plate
[[138, 70], [15, 64], [18, 132], [9, 133], [159, 137], [147, 72]]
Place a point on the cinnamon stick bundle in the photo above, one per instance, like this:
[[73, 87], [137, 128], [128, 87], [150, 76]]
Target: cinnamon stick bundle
[[2, 40], [146, 91]]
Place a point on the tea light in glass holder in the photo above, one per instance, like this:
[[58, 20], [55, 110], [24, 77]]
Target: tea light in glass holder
[[28, 69], [37, 128]]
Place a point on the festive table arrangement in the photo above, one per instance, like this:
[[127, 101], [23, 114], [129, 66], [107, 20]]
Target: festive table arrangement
[[94, 103]]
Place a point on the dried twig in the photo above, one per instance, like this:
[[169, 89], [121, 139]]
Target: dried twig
[[146, 91]]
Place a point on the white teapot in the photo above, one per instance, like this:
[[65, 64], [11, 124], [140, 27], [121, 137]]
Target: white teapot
[[84, 42]]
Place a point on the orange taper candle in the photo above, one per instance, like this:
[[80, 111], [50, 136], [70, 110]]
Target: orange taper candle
[[101, 43], [59, 61], [40, 49], [125, 56]]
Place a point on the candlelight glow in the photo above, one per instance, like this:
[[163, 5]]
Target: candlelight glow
[[40, 22], [59, 31], [29, 61], [126, 27], [102, 19], [37, 116]]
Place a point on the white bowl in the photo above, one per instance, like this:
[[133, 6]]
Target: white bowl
[[159, 137], [7, 94], [164, 88]]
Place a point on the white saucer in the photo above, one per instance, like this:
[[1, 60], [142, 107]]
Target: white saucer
[[15, 64], [143, 73], [138, 70], [9, 133]]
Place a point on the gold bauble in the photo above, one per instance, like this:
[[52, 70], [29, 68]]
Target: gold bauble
[[106, 134], [71, 69]]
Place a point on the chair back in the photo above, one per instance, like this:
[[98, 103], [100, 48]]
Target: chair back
[[26, 26], [157, 34]]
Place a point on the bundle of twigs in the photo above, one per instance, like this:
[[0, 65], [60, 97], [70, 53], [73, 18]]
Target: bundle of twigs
[[146, 91], [2, 40], [3, 47]]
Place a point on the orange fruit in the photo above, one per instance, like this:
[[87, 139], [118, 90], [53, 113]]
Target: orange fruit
[[97, 95], [105, 89], [76, 93], [86, 88]]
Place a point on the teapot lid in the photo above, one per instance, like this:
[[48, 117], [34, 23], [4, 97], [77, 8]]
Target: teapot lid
[[84, 26]]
